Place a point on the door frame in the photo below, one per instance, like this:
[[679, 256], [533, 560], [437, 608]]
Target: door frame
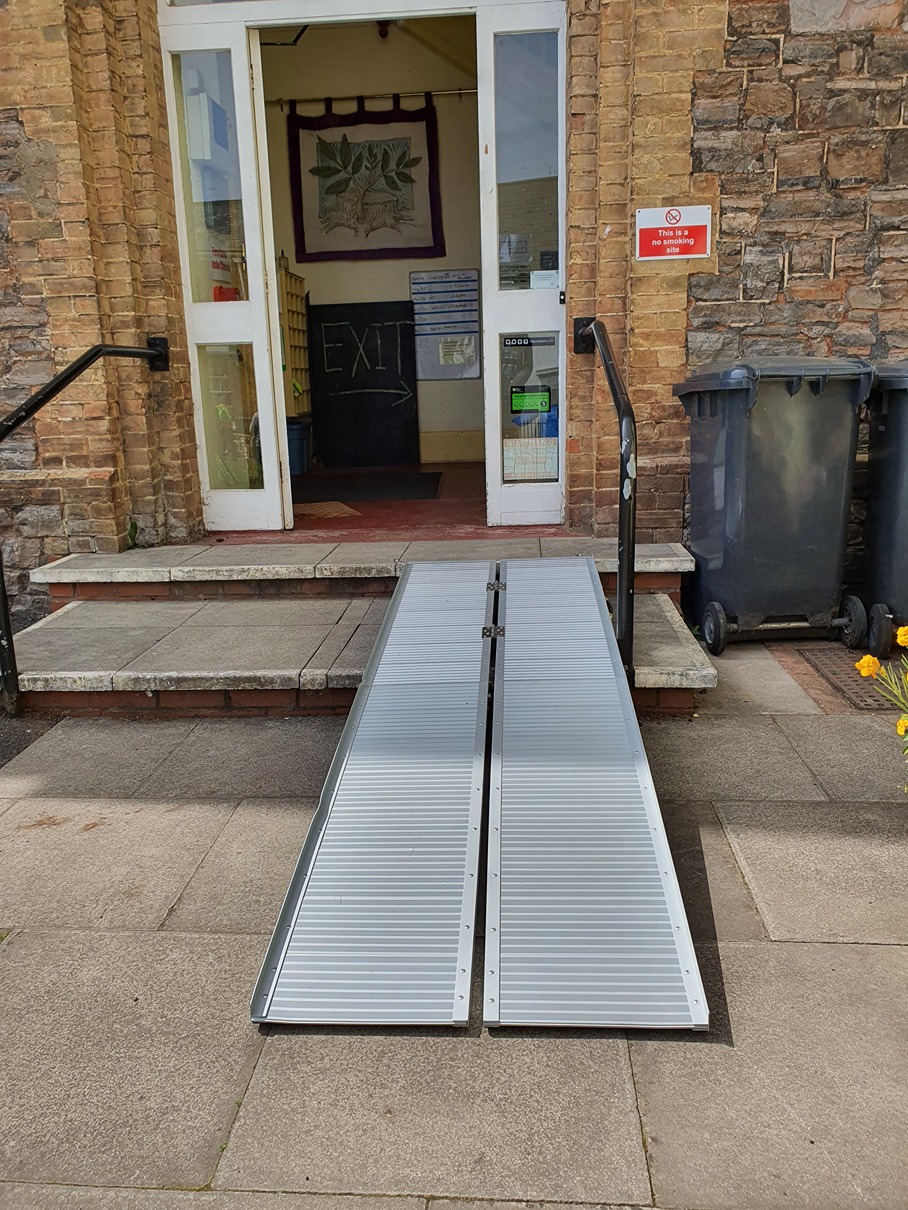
[[236, 26]]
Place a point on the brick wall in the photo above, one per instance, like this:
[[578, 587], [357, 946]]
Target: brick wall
[[88, 254]]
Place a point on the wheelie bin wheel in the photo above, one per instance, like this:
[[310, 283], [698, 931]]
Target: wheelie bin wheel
[[854, 632], [714, 628], [879, 632]]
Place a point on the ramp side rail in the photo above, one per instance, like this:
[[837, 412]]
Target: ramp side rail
[[627, 499]]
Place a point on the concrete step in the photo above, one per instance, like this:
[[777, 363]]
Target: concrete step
[[280, 656], [230, 570]]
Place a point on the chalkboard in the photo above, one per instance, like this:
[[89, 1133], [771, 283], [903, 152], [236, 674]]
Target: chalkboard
[[363, 373]]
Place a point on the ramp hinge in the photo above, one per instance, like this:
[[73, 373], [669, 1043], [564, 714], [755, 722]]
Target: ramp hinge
[[496, 586], [493, 632]]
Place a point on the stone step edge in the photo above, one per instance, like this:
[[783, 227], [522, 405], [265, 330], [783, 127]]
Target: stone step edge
[[62, 572], [656, 614]]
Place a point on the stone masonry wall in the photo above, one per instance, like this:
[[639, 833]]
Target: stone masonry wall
[[803, 125], [87, 255]]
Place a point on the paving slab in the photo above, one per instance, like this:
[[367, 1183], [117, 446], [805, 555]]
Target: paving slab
[[717, 900], [93, 758], [248, 758], [855, 758], [547, 1117], [824, 871], [225, 657], [95, 653], [480, 550], [752, 681], [124, 1054], [315, 674], [146, 565], [113, 863], [102, 615], [666, 654], [241, 883], [720, 758], [649, 557], [276, 612], [268, 561], [346, 672], [357, 559], [77, 1197], [378, 607], [807, 1108]]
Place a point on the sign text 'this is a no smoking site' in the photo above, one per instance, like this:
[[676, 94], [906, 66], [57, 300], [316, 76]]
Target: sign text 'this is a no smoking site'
[[673, 231]]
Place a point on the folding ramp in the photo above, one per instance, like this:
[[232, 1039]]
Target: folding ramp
[[584, 920], [377, 925]]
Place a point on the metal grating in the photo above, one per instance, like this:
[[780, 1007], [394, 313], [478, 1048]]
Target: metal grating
[[377, 926], [836, 665], [584, 922]]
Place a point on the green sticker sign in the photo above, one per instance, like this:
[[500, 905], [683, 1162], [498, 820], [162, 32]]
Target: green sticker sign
[[531, 399]]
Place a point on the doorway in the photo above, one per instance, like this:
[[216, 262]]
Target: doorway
[[387, 199], [374, 188]]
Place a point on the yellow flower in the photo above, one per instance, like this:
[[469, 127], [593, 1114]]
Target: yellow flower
[[901, 636], [901, 727], [868, 666]]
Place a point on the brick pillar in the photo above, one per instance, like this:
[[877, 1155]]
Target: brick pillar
[[88, 254]]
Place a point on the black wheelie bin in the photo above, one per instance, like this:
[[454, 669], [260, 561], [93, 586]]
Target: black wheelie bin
[[886, 528], [773, 445]]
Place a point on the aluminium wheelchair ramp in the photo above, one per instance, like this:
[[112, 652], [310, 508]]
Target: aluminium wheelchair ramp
[[377, 925], [584, 920]]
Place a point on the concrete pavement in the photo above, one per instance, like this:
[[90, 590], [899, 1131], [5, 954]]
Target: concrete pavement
[[141, 868]]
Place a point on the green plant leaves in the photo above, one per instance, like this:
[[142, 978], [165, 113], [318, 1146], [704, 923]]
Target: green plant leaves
[[325, 170], [338, 186]]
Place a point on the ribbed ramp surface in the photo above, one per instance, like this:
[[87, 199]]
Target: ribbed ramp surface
[[377, 926], [584, 922]]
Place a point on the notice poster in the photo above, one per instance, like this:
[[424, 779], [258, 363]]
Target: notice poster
[[446, 315]]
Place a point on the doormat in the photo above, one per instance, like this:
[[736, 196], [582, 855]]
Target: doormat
[[366, 485], [836, 665], [326, 508]]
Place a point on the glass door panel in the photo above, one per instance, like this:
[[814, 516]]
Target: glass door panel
[[522, 156], [219, 221]]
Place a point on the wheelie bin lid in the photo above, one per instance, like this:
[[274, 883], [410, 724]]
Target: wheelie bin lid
[[744, 376], [892, 375]]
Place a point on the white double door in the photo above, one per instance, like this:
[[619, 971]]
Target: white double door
[[216, 110]]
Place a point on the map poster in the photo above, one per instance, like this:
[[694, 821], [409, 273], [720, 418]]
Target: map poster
[[529, 460]]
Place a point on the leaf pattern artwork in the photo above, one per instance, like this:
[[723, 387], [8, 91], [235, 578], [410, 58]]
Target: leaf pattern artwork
[[365, 186]]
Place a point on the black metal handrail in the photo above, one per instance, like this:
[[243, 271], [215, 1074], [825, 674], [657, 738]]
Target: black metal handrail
[[157, 354], [627, 499]]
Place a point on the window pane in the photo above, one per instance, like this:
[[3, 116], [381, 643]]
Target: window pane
[[529, 406], [230, 412], [527, 159], [210, 171]]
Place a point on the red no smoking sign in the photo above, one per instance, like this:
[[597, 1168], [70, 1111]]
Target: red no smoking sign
[[673, 231]]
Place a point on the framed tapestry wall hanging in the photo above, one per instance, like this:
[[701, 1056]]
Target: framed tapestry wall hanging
[[364, 185]]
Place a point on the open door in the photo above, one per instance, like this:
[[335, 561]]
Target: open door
[[520, 52], [220, 226]]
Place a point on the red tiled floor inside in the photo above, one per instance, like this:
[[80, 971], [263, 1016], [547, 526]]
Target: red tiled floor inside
[[459, 511]]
